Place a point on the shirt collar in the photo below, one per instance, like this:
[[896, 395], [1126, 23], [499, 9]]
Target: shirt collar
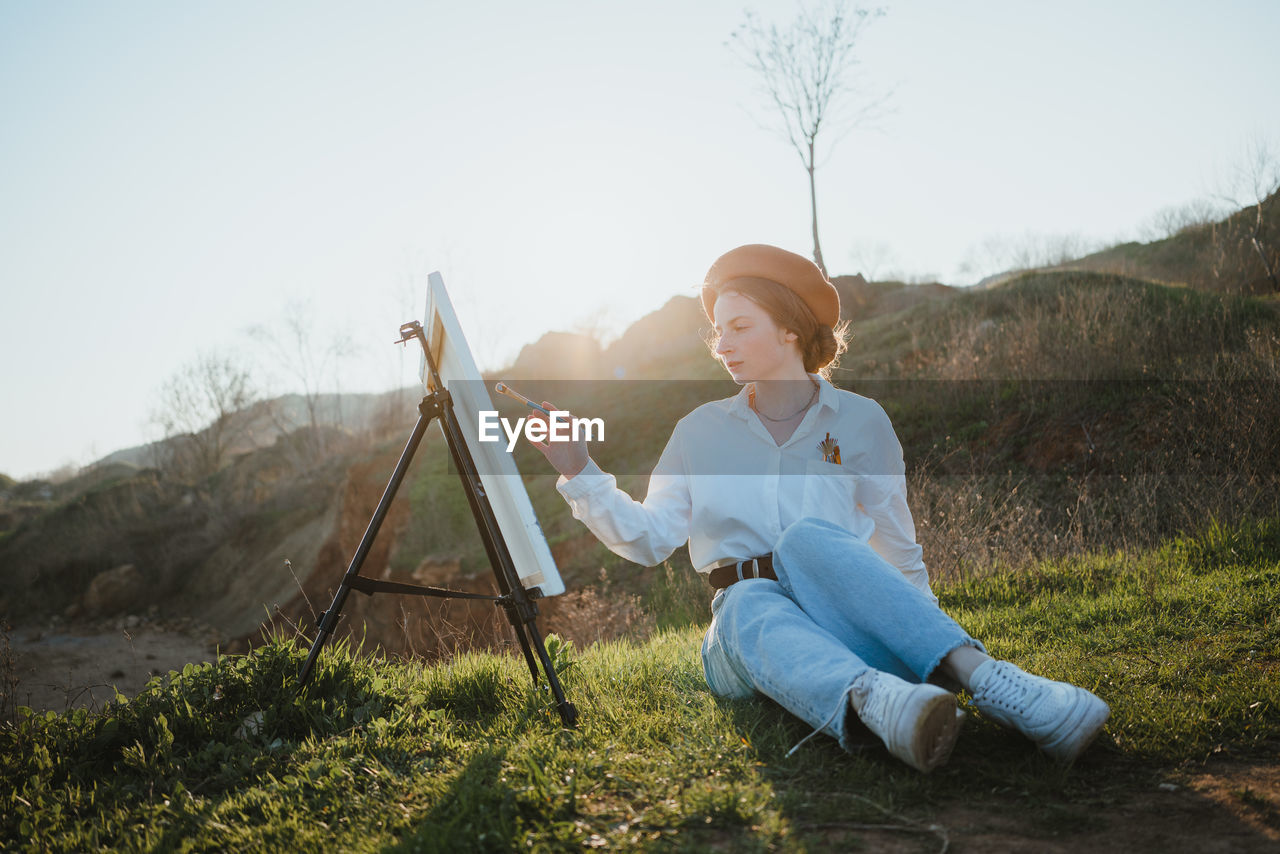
[[740, 404], [828, 397]]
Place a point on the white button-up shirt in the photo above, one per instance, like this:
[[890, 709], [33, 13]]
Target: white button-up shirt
[[725, 486]]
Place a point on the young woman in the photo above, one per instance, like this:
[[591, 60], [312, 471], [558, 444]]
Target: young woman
[[791, 496]]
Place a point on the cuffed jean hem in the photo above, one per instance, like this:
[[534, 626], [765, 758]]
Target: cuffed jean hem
[[939, 677], [836, 610]]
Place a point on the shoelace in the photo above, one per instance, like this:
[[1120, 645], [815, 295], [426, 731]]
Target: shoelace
[[1008, 691], [875, 708], [844, 703]]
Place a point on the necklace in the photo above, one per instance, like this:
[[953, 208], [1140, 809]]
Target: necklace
[[812, 398]]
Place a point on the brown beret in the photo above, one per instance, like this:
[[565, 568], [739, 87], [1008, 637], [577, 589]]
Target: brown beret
[[792, 271]]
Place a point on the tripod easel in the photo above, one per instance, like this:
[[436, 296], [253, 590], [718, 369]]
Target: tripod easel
[[518, 603]]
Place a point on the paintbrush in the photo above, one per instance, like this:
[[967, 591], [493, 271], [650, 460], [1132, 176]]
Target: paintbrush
[[503, 388]]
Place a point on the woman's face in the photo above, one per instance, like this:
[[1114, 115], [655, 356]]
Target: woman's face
[[751, 346]]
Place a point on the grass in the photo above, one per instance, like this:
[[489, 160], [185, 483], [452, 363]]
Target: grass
[[1181, 640]]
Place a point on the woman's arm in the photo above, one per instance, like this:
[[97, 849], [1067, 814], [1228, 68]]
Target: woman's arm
[[644, 532]]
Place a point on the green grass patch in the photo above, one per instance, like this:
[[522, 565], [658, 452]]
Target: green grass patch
[[1181, 640]]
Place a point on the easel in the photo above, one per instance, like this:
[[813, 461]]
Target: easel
[[518, 602]]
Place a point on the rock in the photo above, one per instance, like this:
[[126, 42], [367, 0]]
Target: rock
[[74, 611], [132, 621], [114, 590]]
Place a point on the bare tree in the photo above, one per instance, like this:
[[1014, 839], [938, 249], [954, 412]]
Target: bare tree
[[1254, 183], [310, 357], [598, 324], [809, 72], [1175, 219], [203, 412], [871, 258], [1030, 251]]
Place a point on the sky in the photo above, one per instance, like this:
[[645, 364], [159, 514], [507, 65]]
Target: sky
[[174, 174]]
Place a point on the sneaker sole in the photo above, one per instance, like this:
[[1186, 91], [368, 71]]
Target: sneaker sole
[[937, 728]]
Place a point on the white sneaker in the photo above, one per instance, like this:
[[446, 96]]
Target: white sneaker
[[1060, 718], [918, 723]]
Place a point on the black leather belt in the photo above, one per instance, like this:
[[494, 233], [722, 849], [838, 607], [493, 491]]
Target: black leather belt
[[758, 567]]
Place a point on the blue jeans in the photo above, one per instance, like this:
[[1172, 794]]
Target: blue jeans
[[837, 609]]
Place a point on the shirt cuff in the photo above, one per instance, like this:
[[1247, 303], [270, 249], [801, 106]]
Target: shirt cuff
[[584, 482]]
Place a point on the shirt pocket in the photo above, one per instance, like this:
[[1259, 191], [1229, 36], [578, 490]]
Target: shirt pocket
[[830, 492]]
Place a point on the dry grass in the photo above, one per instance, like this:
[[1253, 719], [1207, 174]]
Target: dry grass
[[972, 525], [599, 615], [443, 629], [1104, 414], [1068, 326]]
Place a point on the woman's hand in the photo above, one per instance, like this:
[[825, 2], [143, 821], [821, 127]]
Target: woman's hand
[[568, 458]]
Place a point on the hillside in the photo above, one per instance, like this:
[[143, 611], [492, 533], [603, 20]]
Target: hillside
[[268, 420], [1095, 399], [1059, 412], [1218, 256]]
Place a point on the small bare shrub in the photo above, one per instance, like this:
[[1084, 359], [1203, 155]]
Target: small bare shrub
[[1180, 219]]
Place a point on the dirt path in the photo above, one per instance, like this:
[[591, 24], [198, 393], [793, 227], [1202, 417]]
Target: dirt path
[[1221, 805], [1217, 811], [65, 669]]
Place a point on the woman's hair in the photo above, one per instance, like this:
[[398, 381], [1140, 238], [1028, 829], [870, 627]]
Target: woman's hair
[[820, 346]]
